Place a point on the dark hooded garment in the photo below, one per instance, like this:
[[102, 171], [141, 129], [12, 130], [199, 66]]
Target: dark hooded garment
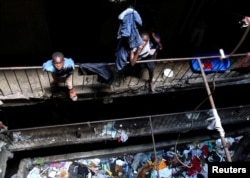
[[105, 74]]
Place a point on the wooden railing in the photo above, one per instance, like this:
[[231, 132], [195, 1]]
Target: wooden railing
[[32, 82]]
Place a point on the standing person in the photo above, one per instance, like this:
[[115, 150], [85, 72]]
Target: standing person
[[61, 69], [143, 52]]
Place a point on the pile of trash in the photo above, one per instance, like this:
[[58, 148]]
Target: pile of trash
[[186, 160]]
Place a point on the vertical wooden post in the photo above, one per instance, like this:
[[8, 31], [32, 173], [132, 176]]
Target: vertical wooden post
[[218, 125]]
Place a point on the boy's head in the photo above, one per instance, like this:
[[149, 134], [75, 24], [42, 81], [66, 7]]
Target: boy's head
[[58, 60], [145, 36]]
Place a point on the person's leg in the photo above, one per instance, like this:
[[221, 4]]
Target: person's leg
[[151, 76], [55, 81], [69, 85], [69, 82], [150, 66], [54, 84]]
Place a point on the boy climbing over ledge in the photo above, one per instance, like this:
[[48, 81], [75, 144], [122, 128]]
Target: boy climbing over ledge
[[61, 69]]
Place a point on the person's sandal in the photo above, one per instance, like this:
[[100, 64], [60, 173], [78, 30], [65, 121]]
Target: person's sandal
[[72, 94]]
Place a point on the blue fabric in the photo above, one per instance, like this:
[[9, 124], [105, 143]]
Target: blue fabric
[[122, 56], [68, 67], [101, 69], [139, 160], [128, 23], [127, 30], [135, 39]]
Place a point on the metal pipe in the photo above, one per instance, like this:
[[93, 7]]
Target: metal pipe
[[218, 125], [140, 61]]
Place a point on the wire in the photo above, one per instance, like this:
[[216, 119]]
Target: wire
[[241, 40], [176, 155]]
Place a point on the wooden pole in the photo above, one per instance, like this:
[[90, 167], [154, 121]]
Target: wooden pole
[[218, 125]]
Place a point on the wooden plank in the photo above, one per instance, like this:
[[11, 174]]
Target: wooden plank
[[35, 82], [5, 88], [178, 68], [44, 78], [184, 69], [22, 79], [77, 79], [13, 83]]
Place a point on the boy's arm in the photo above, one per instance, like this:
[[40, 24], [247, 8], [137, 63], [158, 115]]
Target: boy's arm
[[134, 55], [157, 40]]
